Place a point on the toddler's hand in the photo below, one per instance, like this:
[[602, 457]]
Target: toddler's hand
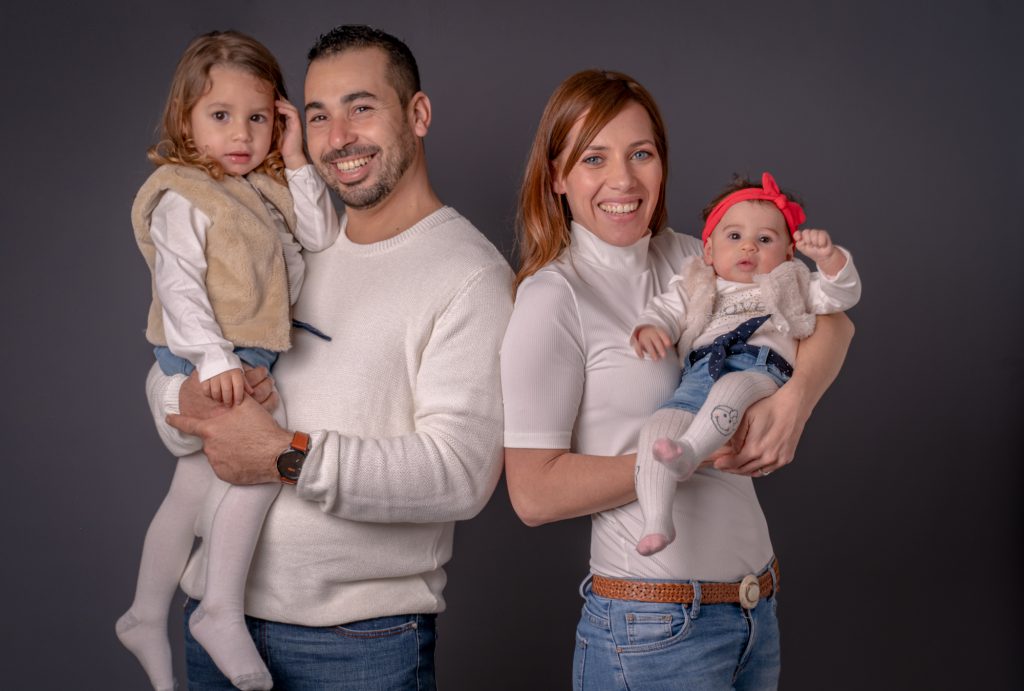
[[652, 341], [291, 143], [227, 387], [817, 244]]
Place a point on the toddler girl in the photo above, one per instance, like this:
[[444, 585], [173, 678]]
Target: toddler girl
[[215, 223], [736, 317]]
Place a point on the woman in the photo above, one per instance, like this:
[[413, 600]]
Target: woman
[[594, 249]]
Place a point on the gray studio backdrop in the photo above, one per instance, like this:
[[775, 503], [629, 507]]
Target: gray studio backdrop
[[898, 527]]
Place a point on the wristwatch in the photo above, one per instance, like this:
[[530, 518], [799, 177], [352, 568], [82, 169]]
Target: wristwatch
[[289, 462]]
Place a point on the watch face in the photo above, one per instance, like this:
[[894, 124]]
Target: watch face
[[289, 464]]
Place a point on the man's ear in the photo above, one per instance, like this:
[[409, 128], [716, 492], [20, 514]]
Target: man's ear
[[419, 114]]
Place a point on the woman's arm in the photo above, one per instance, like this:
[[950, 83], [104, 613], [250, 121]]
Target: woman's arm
[[770, 431], [547, 485]]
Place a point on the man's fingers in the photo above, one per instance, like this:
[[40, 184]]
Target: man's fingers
[[183, 423]]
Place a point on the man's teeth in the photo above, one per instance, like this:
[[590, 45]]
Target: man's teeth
[[619, 208], [351, 164]]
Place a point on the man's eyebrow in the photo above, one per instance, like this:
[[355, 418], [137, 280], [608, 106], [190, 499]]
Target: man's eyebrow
[[346, 99], [356, 95]]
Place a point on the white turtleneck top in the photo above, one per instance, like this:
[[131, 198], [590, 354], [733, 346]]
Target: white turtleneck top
[[571, 380]]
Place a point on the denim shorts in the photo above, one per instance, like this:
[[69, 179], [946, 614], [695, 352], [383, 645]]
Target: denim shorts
[[171, 364], [696, 382], [624, 645], [393, 653]]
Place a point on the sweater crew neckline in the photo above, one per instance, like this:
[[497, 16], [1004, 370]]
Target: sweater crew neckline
[[439, 217], [588, 247]]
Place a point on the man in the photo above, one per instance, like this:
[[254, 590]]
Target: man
[[402, 406]]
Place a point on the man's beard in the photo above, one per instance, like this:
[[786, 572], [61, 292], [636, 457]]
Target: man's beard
[[366, 195]]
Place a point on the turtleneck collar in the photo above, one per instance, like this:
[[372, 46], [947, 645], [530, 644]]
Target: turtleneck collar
[[588, 247]]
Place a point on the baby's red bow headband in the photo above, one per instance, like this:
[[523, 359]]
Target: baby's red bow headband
[[767, 192]]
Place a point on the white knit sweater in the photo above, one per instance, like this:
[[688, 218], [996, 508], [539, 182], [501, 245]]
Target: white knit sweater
[[404, 407]]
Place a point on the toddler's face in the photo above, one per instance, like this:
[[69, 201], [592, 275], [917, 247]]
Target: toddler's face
[[233, 121], [752, 238]]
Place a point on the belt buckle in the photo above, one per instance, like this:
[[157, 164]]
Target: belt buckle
[[750, 591]]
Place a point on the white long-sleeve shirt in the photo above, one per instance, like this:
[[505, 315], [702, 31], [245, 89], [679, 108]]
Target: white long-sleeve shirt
[[737, 302], [178, 230]]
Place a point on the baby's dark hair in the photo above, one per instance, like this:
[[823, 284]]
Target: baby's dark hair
[[738, 183]]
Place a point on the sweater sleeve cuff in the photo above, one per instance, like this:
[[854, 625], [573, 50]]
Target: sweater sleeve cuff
[[312, 468]]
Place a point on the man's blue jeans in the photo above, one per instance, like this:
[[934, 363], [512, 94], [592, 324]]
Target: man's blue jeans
[[624, 644], [386, 654]]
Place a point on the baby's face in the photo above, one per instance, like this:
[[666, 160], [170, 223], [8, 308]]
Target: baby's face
[[752, 238]]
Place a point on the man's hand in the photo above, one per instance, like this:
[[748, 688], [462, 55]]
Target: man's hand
[[242, 442], [262, 384], [768, 435]]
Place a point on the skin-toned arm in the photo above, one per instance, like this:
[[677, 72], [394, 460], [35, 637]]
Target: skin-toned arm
[[547, 485], [770, 431]]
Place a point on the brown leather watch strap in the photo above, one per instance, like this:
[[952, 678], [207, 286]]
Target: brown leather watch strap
[[300, 442]]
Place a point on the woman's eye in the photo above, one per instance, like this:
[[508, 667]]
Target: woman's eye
[[642, 155], [592, 160]]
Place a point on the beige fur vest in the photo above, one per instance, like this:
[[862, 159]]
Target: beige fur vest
[[784, 291], [246, 278]]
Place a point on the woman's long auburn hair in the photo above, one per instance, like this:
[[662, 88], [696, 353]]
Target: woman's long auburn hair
[[596, 96], [191, 80]]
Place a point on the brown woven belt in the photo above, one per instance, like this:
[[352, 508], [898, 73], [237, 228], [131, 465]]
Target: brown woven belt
[[746, 592]]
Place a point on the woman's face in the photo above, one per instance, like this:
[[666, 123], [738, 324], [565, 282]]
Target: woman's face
[[614, 186]]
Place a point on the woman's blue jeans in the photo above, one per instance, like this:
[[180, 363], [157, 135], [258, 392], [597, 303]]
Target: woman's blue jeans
[[628, 645], [385, 654]]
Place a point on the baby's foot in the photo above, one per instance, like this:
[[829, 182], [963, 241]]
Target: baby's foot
[[667, 451], [652, 544], [676, 456]]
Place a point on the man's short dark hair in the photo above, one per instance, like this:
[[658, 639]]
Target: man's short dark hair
[[402, 69]]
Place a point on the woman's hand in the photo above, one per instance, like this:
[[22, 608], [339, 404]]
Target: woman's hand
[[768, 434], [770, 431]]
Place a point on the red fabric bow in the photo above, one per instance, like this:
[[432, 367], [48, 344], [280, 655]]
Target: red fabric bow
[[768, 192]]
